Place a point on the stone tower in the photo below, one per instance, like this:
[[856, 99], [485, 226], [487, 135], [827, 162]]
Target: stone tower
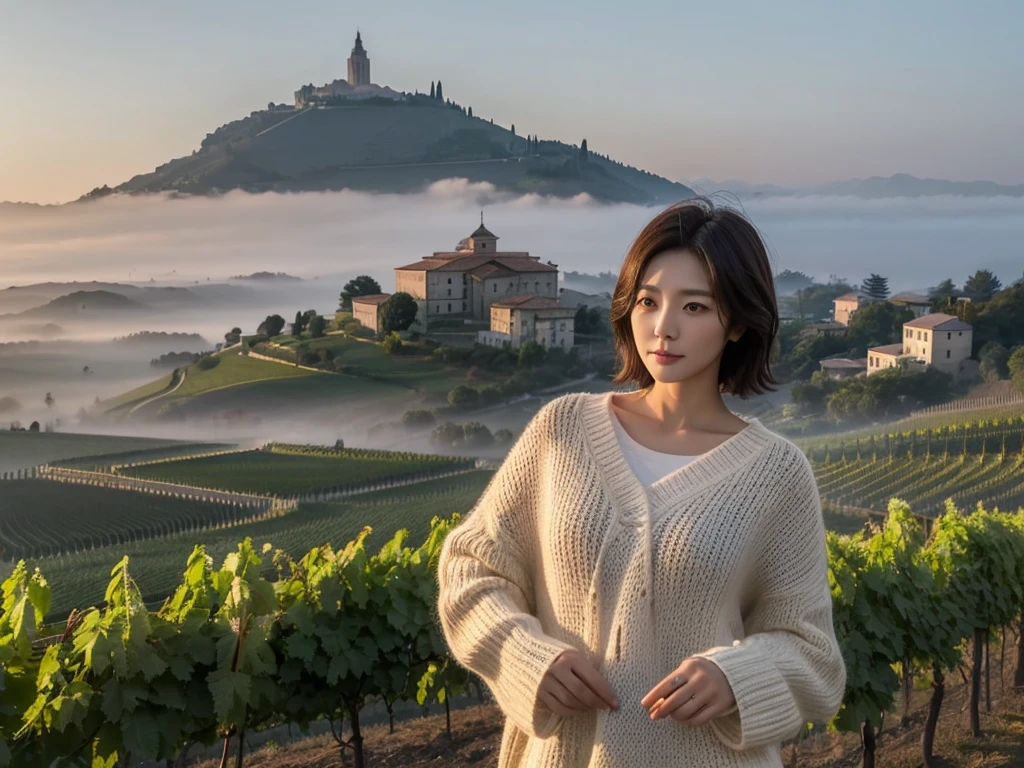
[[358, 64]]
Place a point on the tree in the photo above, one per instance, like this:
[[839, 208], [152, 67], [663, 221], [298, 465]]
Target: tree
[[362, 285], [233, 336], [440, 95], [397, 313], [470, 111], [272, 325], [432, 94], [299, 324], [1016, 367], [940, 295], [879, 322], [48, 400], [993, 358], [876, 286], [981, 286], [317, 326], [583, 151], [513, 129]]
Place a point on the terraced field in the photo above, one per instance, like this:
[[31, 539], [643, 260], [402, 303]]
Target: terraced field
[[79, 579], [285, 470]]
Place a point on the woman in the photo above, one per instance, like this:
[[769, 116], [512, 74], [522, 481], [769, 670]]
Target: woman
[[644, 580]]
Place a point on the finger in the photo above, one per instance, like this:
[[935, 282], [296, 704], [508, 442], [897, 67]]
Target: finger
[[687, 709], [682, 696], [553, 704], [664, 689], [566, 696], [583, 670], [581, 690]]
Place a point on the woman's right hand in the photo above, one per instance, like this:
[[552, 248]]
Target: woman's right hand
[[572, 685]]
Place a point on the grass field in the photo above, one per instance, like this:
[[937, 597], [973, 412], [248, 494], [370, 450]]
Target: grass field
[[138, 394], [421, 372], [19, 450], [282, 472]]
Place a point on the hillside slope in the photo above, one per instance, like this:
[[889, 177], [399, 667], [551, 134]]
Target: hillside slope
[[395, 148]]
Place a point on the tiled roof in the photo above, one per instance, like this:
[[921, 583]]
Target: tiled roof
[[910, 298], [467, 262], [530, 301], [939, 321], [888, 349], [371, 298]]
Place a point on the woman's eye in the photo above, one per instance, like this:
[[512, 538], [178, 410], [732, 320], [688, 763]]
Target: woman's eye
[[643, 298], [695, 304]]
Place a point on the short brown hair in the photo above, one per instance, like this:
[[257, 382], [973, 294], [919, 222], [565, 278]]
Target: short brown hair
[[736, 262]]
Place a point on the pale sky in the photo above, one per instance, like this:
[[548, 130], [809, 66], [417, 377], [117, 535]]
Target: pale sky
[[786, 92]]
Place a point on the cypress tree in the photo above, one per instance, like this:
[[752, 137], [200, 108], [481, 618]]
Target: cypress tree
[[440, 95], [432, 90], [470, 111], [513, 129]]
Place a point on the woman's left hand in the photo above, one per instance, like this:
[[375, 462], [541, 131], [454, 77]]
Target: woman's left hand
[[704, 694]]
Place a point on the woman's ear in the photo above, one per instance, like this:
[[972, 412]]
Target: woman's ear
[[735, 335]]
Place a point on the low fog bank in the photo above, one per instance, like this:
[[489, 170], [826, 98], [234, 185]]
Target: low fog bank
[[337, 235], [200, 244]]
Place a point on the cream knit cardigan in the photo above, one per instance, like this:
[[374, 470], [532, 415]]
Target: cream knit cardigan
[[559, 553]]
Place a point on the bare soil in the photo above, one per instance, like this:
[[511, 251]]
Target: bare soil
[[476, 732]]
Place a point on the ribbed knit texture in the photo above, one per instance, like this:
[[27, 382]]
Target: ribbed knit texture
[[560, 552]]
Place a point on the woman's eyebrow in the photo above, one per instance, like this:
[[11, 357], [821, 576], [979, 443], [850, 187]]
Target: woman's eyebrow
[[681, 291]]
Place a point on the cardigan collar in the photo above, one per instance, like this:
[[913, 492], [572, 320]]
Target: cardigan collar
[[629, 493]]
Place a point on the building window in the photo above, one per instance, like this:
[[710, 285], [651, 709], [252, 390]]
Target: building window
[[947, 354], [959, 333], [926, 335], [463, 306], [561, 326], [483, 246], [918, 335], [449, 307], [449, 281]]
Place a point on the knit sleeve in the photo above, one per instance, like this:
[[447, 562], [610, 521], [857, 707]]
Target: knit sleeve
[[788, 670], [486, 601]]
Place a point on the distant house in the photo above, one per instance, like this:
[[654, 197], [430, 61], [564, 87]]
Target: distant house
[[941, 340], [935, 339], [366, 309], [843, 367], [919, 305], [519, 319], [844, 306], [886, 356]]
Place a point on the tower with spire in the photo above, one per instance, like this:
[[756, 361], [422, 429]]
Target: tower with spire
[[358, 64]]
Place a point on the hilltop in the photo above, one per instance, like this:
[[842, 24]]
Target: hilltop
[[391, 146]]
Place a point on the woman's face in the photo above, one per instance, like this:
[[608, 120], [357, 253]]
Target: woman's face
[[677, 312]]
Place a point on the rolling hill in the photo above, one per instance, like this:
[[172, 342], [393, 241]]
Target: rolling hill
[[398, 147]]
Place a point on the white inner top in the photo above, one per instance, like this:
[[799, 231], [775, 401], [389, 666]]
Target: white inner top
[[648, 465]]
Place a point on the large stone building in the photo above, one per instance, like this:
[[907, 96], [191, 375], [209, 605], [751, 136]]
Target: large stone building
[[466, 281], [512, 291], [937, 339]]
